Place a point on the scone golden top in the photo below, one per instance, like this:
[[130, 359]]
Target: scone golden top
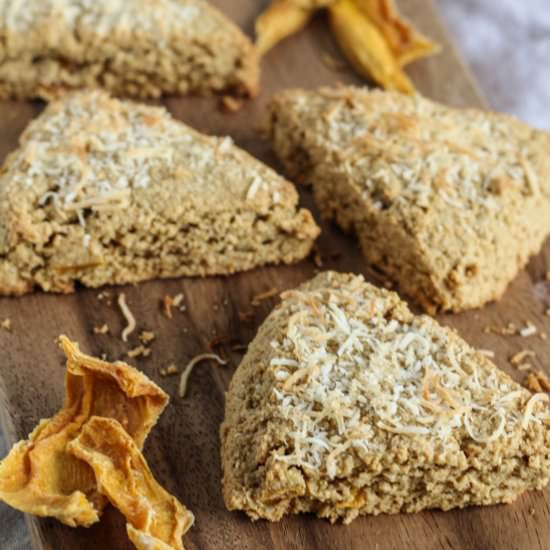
[[346, 403], [106, 191], [139, 48], [450, 202]]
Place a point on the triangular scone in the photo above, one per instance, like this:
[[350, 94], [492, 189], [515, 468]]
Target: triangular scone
[[449, 202], [39, 476], [346, 403], [106, 191], [138, 48]]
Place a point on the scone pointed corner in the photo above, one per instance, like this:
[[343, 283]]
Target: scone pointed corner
[[449, 203], [104, 191], [348, 404]]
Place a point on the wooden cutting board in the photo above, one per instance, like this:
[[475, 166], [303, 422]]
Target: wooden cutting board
[[183, 450]]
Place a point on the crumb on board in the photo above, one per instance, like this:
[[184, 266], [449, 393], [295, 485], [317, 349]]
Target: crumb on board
[[139, 351], [528, 330], [169, 370], [103, 357], [189, 367], [524, 366], [130, 319], [101, 329], [246, 316], [519, 357], [230, 104], [531, 511], [504, 330], [487, 352], [263, 296], [146, 336], [537, 382], [239, 348], [169, 302], [6, 324]]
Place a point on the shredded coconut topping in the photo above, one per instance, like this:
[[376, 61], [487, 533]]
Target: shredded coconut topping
[[351, 363]]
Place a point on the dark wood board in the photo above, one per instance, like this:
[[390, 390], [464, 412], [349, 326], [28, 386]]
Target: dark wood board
[[183, 450]]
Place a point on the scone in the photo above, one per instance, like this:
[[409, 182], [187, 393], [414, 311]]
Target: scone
[[450, 203], [104, 191], [135, 48], [347, 404]]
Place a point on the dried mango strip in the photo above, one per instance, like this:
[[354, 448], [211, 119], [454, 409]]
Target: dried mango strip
[[39, 477], [373, 36], [156, 519], [365, 47], [406, 43], [281, 19]]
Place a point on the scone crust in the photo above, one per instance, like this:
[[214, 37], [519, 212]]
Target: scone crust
[[347, 404], [451, 203], [103, 191], [135, 48]]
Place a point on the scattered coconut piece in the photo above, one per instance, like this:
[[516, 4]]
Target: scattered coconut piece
[[187, 370], [507, 330], [6, 324], [528, 330], [101, 329], [524, 366], [104, 296], [230, 104], [518, 358], [138, 351], [130, 319], [487, 352], [146, 336], [239, 348], [168, 302], [263, 296], [537, 382], [169, 370]]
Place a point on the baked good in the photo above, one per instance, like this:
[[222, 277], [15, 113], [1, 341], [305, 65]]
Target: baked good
[[347, 404], [450, 203], [39, 476], [105, 191], [130, 47]]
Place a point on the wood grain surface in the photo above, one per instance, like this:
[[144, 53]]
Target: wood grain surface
[[183, 450]]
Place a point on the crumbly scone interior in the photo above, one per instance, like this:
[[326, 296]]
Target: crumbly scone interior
[[348, 404], [103, 191]]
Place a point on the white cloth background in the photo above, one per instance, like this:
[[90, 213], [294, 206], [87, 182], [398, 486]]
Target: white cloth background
[[507, 44]]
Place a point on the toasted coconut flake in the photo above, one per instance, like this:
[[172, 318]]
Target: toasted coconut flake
[[146, 336], [507, 330], [187, 370], [263, 296], [139, 351], [487, 352], [6, 324], [169, 370], [529, 330], [519, 357], [130, 319], [528, 413], [101, 329]]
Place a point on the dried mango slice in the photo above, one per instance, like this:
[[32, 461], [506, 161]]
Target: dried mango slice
[[39, 477], [406, 43], [365, 47], [282, 19], [156, 519]]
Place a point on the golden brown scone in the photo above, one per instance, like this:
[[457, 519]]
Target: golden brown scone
[[450, 203], [105, 191], [347, 404], [135, 48], [39, 476]]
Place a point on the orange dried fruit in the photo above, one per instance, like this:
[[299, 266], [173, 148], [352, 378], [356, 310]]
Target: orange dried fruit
[[39, 476], [156, 519]]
